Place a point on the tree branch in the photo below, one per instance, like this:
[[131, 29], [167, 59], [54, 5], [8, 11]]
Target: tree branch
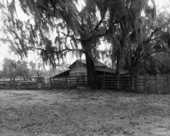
[[98, 35], [149, 54], [71, 36], [139, 48], [101, 20]]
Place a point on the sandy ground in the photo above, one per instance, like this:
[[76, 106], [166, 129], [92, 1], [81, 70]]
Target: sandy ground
[[83, 113]]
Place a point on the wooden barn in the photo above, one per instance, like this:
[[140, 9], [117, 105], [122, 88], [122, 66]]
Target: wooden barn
[[78, 68], [76, 75]]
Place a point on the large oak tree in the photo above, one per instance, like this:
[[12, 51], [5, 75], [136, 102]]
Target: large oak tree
[[116, 19]]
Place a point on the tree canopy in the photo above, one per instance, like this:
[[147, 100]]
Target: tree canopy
[[13, 69]]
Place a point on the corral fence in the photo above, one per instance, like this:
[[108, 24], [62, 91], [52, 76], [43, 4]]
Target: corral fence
[[26, 85], [69, 82], [18, 85], [153, 84], [102, 82]]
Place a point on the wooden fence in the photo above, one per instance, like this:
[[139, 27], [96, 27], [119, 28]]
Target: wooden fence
[[69, 82], [102, 82], [18, 85], [155, 84]]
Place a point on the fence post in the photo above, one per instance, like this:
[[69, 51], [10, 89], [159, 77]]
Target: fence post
[[83, 80], [168, 84], [118, 81], [66, 82], [104, 83], [51, 82], [157, 76], [136, 82], [129, 87], [76, 80], [145, 84]]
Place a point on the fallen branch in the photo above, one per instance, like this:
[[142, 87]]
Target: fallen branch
[[28, 125]]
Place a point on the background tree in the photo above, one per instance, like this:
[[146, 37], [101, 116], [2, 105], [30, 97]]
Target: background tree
[[10, 69], [22, 70], [13, 69], [152, 43]]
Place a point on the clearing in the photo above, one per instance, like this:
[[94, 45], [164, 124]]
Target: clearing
[[83, 113]]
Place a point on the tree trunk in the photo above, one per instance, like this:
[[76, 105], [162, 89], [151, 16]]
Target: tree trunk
[[14, 79], [11, 79], [118, 69], [118, 62], [91, 72]]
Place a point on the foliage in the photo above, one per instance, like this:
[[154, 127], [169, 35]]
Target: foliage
[[23, 70], [157, 64], [156, 41], [12, 69], [138, 46]]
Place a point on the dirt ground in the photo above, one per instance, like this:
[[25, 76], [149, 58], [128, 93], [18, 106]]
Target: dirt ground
[[83, 113]]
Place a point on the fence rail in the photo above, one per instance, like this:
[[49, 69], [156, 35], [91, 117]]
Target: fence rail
[[102, 82], [155, 84], [18, 85]]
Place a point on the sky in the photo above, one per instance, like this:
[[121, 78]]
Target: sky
[[162, 5]]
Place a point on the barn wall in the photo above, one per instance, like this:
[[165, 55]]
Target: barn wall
[[78, 69]]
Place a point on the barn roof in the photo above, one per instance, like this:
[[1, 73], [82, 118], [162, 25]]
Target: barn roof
[[63, 74], [110, 70], [100, 67], [96, 63]]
